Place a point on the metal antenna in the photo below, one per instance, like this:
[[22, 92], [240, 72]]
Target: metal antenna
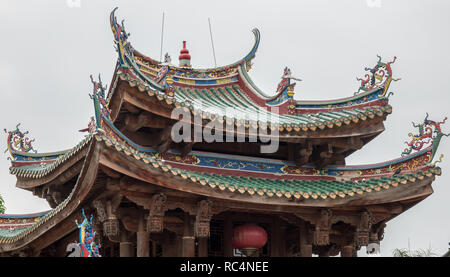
[[212, 42], [162, 36]]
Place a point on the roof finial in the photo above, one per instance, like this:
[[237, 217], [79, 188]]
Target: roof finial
[[185, 58]]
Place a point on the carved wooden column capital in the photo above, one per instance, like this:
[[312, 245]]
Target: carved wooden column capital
[[155, 220], [203, 219]]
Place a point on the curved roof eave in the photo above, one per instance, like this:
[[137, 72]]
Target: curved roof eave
[[247, 58]]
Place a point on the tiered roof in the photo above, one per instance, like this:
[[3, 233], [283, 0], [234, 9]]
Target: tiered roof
[[222, 176], [210, 91]]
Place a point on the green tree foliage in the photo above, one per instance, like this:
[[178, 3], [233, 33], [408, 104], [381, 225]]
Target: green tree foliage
[[413, 253], [2, 205]]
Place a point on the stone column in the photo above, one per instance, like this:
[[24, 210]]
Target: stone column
[[154, 249], [347, 251], [275, 239], [305, 245], [126, 246], [171, 245], [188, 248], [203, 247], [227, 233], [282, 241], [143, 239]]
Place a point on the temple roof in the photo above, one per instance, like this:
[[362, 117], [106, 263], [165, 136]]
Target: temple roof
[[212, 103], [231, 86], [12, 225], [221, 176], [250, 174], [248, 178]]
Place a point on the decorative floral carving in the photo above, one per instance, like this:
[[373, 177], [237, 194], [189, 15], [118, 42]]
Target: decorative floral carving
[[101, 211], [363, 228], [155, 221], [203, 218], [322, 229]]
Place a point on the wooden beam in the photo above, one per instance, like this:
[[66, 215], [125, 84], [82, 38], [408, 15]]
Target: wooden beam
[[145, 119], [304, 154], [165, 139]]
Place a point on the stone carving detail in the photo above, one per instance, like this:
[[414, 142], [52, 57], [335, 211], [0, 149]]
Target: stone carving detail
[[362, 229], [155, 221], [100, 208], [111, 228], [322, 230], [203, 218]]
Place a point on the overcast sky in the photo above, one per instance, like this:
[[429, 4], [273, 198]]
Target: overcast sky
[[49, 49]]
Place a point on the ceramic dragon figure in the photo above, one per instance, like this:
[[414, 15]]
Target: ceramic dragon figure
[[87, 246], [430, 135], [378, 76], [18, 141]]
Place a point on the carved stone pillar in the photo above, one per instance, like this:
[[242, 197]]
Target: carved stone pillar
[[322, 230], [142, 239], [188, 248], [155, 220], [203, 219]]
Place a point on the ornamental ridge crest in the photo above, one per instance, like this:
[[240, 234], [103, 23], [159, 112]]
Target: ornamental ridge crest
[[376, 77], [430, 135], [18, 141]]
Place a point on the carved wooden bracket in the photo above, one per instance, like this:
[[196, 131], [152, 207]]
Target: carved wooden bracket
[[203, 219], [304, 154], [362, 229], [99, 206], [155, 220], [377, 232], [322, 228], [165, 139]]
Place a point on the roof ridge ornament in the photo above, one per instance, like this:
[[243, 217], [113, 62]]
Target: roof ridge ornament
[[379, 76], [185, 58], [18, 142], [101, 108], [87, 246], [120, 39], [430, 135], [285, 91]]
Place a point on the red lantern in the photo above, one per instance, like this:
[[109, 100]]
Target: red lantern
[[249, 238]]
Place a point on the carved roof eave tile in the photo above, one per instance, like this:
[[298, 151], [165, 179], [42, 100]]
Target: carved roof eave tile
[[39, 172], [206, 179], [352, 116], [42, 220]]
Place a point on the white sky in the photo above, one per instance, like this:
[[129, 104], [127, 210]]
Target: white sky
[[49, 49]]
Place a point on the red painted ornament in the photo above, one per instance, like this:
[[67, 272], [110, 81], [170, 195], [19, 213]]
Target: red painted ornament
[[249, 238], [184, 53]]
